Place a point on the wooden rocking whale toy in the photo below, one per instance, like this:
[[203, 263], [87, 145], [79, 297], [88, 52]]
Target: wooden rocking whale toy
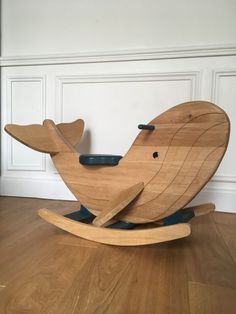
[[169, 162]]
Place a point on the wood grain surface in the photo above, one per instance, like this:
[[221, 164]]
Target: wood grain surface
[[190, 139], [117, 203], [135, 237], [46, 270]]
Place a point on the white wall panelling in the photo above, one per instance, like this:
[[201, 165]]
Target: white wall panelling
[[104, 100], [112, 96], [222, 188], [25, 103], [224, 93]]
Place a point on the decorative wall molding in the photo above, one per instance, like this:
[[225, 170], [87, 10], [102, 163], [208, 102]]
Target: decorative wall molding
[[217, 75], [192, 76], [227, 179], [121, 55], [11, 163]]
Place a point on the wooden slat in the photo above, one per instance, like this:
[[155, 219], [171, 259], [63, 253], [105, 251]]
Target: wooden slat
[[211, 299], [209, 260], [226, 225], [2, 287], [131, 280], [38, 287]]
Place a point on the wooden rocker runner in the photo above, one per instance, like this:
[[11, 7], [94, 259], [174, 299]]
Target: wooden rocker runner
[[147, 190]]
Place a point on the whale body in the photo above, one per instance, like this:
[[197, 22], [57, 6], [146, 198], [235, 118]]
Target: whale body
[[173, 162]]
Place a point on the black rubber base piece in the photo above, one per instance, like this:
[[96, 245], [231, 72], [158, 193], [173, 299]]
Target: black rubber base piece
[[178, 217], [83, 215]]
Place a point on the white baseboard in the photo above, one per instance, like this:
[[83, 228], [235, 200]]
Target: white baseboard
[[224, 197], [39, 188]]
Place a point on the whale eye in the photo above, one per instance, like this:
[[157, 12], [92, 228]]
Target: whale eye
[[155, 154]]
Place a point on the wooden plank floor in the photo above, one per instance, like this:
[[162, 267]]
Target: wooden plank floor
[[46, 270]]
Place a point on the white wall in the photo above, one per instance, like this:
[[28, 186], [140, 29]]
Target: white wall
[[71, 26], [110, 63]]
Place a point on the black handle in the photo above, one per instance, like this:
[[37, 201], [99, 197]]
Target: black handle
[[146, 127]]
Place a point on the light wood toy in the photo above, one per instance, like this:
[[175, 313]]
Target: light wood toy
[[147, 190]]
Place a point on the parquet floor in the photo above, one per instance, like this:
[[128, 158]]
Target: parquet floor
[[46, 270]]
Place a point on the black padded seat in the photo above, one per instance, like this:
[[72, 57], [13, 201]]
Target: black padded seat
[[98, 159]]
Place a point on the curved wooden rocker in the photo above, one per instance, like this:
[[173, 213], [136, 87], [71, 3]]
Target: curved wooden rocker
[[170, 161]]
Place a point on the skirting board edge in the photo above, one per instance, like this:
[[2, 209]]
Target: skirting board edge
[[223, 196]]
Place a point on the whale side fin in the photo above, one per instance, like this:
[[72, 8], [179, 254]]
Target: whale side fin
[[73, 131], [34, 136], [118, 203]]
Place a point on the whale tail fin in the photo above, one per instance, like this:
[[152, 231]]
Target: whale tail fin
[[49, 137], [72, 132]]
